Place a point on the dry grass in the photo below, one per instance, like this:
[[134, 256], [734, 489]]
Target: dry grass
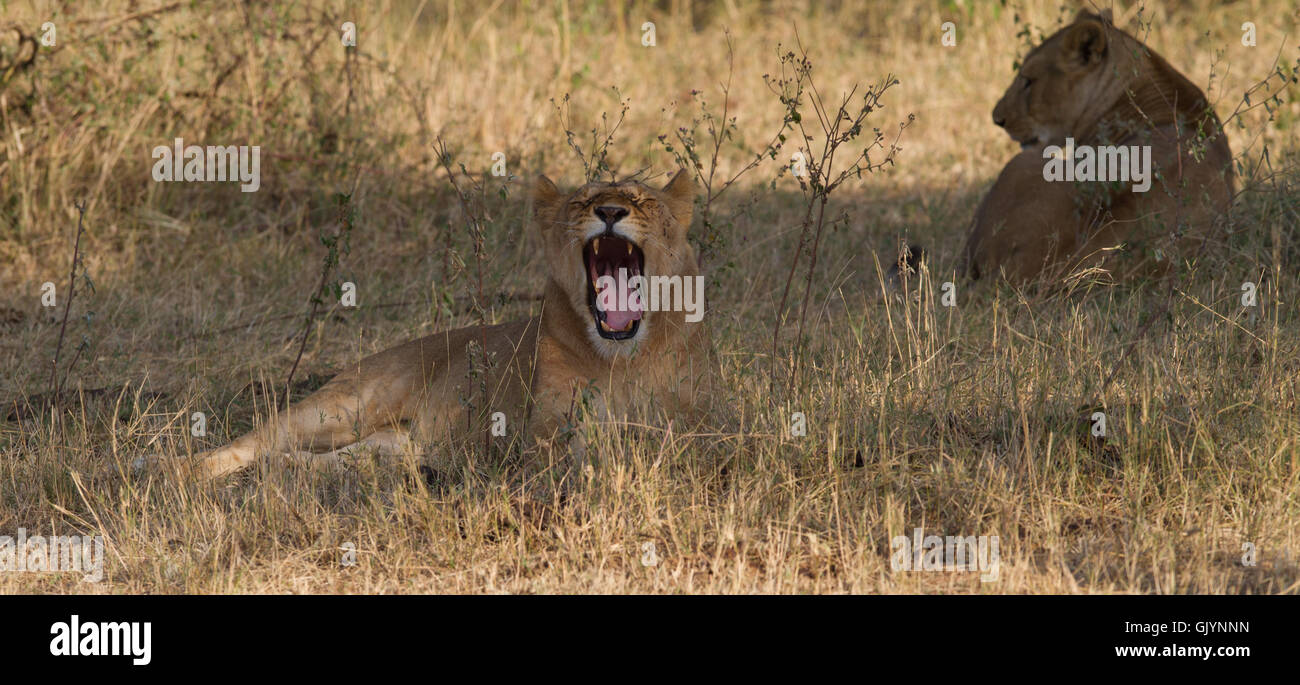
[[969, 420]]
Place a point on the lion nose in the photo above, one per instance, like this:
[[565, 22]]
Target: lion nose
[[998, 122], [611, 215]]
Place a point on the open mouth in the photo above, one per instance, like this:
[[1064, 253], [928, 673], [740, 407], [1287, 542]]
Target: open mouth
[[614, 304]]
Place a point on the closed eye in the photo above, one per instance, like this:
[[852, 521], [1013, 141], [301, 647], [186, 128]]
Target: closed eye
[[1028, 82]]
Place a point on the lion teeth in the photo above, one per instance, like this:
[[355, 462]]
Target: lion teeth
[[629, 248], [595, 246]]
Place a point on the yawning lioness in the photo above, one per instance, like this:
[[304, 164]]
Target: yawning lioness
[[590, 344]]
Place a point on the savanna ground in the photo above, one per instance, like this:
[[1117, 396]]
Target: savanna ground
[[965, 420]]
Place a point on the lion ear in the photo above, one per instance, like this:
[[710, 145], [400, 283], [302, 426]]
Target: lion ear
[[545, 196], [1085, 42], [680, 193]]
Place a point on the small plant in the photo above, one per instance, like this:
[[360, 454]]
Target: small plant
[[336, 244], [471, 194], [813, 164], [700, 151], [595, 160]]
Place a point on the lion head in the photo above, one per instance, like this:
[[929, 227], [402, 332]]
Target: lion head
[[600, 229], [1091, 74], [1057, 83]]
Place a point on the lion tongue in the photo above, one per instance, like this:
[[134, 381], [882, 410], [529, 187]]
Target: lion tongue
[[622, 310], [618, 307], [619, 320]]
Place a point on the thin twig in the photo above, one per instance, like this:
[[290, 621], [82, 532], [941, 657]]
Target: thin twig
[[67, 307]]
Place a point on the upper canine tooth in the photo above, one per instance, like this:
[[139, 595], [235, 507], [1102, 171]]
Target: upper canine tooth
[[629, 248], [595, 245]]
